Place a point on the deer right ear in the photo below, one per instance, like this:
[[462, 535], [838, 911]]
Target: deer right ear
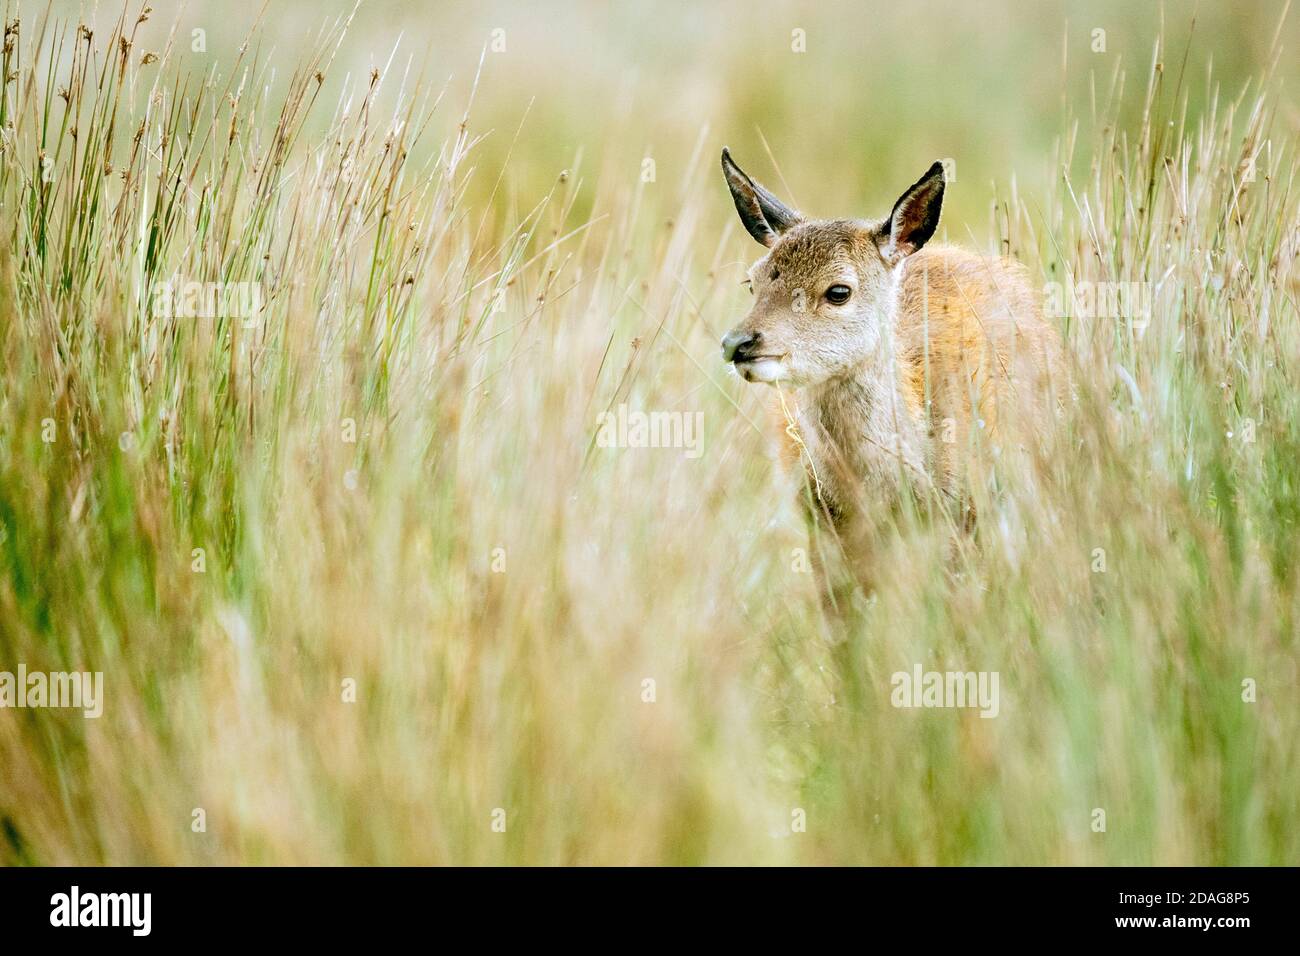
[[764, 216], [915, 216]]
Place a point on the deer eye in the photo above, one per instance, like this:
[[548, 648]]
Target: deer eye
[[748, 284], [838, 294]]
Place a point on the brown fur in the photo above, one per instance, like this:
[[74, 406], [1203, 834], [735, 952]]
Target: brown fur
[[971, 338], [939, 353]]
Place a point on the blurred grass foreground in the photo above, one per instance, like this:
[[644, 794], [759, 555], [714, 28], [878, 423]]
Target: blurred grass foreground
[[306, 350]]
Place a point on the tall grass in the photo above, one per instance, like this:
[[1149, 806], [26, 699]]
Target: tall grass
[[388, 480]]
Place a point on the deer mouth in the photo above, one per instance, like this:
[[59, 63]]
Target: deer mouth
[[762, 368]]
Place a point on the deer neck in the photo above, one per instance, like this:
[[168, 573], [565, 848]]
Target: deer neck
[[863, 438]]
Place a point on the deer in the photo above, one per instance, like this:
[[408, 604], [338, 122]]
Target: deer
[[892, 358]]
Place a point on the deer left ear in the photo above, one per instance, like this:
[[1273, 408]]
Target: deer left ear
[[915, 216], [765, 217]]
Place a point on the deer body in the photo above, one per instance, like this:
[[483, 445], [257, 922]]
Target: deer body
[[893, 361]]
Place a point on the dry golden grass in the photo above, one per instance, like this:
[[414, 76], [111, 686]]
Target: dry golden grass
[[499, 587]]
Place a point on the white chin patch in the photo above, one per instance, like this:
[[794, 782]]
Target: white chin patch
[[764, 370]]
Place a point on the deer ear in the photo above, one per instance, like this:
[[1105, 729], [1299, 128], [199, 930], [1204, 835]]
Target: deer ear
[[915, 216], [765, 216]]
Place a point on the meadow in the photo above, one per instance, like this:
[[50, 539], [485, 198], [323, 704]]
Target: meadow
[[307, 325]]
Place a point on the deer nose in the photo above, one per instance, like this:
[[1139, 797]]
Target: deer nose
[[737, 344]]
